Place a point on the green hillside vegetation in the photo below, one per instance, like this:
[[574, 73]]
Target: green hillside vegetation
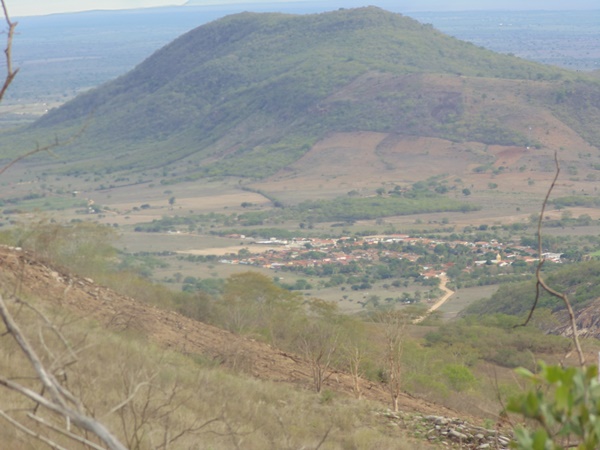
[[250, 93], [372, 208], [495, 339], [581, 281], [37, 202], [350, 209], [576, 200], [342, 209]]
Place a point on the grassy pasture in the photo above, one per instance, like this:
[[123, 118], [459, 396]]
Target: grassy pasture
[[463, 298], [47, 204]]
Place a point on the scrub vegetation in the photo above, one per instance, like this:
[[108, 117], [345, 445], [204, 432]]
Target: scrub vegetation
[[340, 301], [298, 78]]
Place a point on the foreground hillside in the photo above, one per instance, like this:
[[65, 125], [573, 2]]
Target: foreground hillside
[[250, 94], [138, 343], [166, 329]]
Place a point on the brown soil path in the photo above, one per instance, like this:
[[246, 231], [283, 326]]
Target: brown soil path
[[448, 293]]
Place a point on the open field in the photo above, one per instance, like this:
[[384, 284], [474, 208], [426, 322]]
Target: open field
[[513, 201], [508, 183], [463, 298]]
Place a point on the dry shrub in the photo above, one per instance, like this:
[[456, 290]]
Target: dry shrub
[[147, 395], [83, 248]]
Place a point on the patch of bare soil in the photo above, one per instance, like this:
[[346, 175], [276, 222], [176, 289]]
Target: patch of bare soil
[[363, 161], [22, 271]]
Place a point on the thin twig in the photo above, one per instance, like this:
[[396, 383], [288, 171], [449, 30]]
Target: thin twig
[[46, 148], [322, 441], [128, 399], [191, 429], [45, 378], [30, 432], [57, 333], [59, 395]]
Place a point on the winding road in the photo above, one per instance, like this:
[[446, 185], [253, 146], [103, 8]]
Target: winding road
[[447, 294]]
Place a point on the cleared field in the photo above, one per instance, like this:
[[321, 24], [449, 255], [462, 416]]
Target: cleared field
[[161, 242], [463, 298], [203, 270]]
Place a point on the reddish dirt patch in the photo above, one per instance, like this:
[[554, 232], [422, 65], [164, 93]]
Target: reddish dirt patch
[[507, 156]]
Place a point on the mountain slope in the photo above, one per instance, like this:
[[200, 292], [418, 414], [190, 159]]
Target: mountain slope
[[251, 93], [579, 281], [173, 331]]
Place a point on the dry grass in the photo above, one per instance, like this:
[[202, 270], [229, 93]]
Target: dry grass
[[172, 393], [464, 297]]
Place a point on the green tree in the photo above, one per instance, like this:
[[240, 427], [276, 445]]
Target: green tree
[[564, 403], [459, 377], [252, 304]]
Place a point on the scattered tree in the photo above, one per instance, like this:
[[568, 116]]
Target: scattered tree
[[354, 349], [318, 341], [393, 324]]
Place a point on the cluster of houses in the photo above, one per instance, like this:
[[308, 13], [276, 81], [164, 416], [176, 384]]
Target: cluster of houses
[[300, 252]]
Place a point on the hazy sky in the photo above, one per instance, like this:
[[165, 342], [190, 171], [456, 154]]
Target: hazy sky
[[40, 7]]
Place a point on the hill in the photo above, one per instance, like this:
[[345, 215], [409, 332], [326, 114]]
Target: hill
[[579, 281], [125, 335], [250, 94]]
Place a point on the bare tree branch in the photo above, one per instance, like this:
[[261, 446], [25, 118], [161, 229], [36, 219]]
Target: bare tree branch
[[9, 77], [52, 395], [191, 429], [394, 324], [10, 72], [324, 438], [46, 148], [60, 397], [30, 432], [128, 399], [541, 283], [66, 433]]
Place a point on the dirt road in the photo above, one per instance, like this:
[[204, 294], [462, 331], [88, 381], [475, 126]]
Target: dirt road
[[447, 294]]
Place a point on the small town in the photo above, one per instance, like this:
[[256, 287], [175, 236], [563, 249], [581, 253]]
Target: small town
[[303, 253]]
